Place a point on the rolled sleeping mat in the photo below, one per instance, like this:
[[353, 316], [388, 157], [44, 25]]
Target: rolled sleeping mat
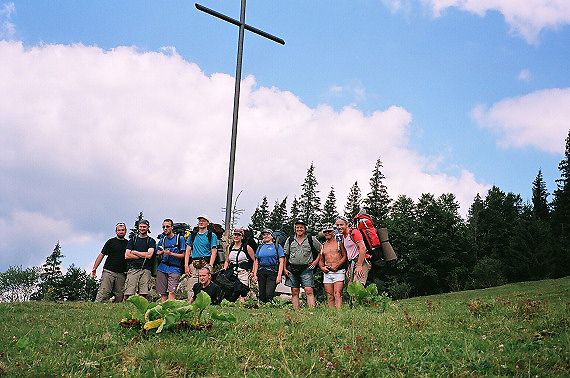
[[387, 250]]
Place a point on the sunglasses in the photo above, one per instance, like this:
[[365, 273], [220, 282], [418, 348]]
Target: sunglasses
[[163, 227]]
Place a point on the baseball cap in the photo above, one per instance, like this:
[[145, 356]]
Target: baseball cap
[[328, 227], [144, 221], [267, 231], [300, 221], [204, 216]]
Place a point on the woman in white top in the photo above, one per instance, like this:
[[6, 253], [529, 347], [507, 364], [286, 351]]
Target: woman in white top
[[240, 258]]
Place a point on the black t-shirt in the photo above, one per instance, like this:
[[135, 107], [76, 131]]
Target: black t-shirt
[[213, 290], [114, 249], [141, 245]]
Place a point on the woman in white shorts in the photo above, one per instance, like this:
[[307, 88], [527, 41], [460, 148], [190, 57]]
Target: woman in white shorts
[[333, 263]]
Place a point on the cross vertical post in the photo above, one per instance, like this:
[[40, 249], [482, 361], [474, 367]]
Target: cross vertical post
[[242, 27]]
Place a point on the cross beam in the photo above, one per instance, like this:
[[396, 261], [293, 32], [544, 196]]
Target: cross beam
[[242, 27]]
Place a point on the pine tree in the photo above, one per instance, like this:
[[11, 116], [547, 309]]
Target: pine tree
[[329, 209], [473, 214], [561, 202], [135, 230], [51, 276], [378, 201], [278, 216], [295, 211], [352, 206], [309, 201], [561, 214], [539, 198], [260, 216]]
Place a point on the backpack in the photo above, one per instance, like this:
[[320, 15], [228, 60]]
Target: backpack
[[280, 237], [232, 288], [212, 228], [371, 239], [182, 229]]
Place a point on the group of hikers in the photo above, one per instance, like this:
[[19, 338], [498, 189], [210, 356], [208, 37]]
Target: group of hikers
[[129, 264]]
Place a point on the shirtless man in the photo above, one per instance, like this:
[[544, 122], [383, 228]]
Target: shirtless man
[[333, 264]]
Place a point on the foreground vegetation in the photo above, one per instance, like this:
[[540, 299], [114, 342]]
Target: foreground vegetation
[[514, 330]]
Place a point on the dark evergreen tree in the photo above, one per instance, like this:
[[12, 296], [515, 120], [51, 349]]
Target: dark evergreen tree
[[329, 209], [309, 201], [278, 216], [561, 214], [378, 201], [77, 285], [401, 226], [473, 214], [540, 198], [441, 257], [260, 217], [51, 276], [135, 230], [294, 215], [352, 206]]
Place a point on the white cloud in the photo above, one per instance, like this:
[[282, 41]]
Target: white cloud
[[539, 119], [91, 137], [525, 17], [525, 75], [7, 27]]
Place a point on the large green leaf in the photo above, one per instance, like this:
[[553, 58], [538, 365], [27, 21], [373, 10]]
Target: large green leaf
[[356, 289], [223, 316], [202, 301], [170, 320], [185, 309], [173, 304], [372, 289], [154, 313], [141, 303]]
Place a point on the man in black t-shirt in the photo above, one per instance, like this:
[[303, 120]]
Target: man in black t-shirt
[[115, 267], [206, 285], [139, 261]]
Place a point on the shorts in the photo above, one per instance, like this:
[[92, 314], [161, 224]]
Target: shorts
[[332, 277], [350, 272], [138, 281], [305, 279], [166, 282], [112, 284]]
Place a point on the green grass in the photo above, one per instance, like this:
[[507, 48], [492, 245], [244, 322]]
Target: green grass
[[513, 330]]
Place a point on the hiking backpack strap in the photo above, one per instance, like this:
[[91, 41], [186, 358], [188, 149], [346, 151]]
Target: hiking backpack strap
[[314, 251]]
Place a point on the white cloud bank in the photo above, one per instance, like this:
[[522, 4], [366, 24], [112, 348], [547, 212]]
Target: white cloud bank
[[525, 17], [539, 120], [91, 137]]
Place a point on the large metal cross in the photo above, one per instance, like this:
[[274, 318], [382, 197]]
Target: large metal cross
[[242, 27]]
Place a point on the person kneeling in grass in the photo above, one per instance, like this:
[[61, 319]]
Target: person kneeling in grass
[[332, 263], [206, 285]]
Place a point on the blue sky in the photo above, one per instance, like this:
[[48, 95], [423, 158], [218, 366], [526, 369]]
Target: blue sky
[[454, 96]]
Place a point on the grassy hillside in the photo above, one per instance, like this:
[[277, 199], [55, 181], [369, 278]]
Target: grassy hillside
[[513, 330]]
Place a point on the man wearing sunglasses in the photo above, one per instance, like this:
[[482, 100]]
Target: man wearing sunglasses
[[113, 275], [170, 249]]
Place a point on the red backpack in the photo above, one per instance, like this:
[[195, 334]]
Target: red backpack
[[364, 224]]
